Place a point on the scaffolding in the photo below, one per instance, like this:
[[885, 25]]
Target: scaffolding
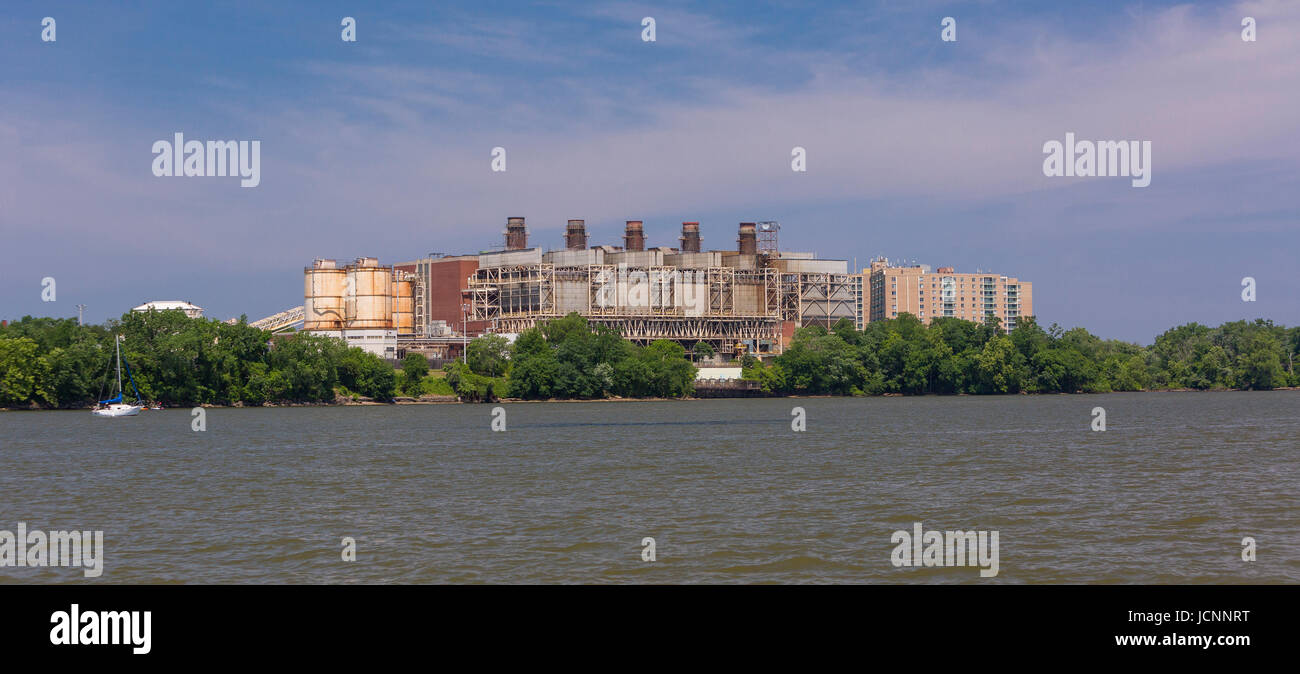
[[717, 305], [818, 298], [421, 311], [516, 290], [767, 238]]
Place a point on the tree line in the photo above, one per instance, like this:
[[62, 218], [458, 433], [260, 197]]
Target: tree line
[[570, 358], [951, 355], [177, 360]]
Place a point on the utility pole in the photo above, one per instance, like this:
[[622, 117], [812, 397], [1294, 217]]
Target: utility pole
[[464, 333], [81, 308]]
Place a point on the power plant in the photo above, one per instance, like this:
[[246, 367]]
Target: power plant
[[727, 298], [749, 299]]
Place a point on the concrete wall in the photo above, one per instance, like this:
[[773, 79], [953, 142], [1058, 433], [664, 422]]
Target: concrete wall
[[510, 258], [748, 299], [694, 260], [575, 258], [739, 261], [794, 266], [571, 296], [636, 258]]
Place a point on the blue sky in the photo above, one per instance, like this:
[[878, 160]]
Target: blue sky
[[917, 149]]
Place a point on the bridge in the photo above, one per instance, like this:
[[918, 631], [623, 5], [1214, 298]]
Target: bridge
[[281, 321]]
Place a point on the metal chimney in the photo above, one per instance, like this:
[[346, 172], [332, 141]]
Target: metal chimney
[[633, 236], [516, 234], [575, 235], [748, 239], [690, 237]]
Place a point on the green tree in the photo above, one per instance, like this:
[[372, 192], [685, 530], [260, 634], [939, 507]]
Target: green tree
[[416, 367], [1000, 366], [1259, 364], [702, 351], [489, 355], [24, 373]]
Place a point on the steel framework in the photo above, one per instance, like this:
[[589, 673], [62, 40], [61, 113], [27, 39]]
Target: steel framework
[[643, 304]]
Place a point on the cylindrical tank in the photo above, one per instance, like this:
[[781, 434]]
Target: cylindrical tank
[[370, 304], [405, 306], [323, 306]]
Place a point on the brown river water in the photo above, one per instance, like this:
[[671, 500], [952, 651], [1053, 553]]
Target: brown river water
[[730, 494]]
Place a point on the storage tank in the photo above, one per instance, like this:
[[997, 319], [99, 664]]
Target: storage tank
[[370, 304], [405, 304], [323, 306]]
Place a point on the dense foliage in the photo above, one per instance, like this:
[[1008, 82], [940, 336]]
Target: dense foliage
[[950, 355], [178, 360], [569, 358]]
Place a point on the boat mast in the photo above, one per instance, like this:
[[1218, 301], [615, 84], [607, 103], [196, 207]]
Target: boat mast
[[118, 343]]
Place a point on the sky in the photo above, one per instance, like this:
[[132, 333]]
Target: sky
[[916, 148]]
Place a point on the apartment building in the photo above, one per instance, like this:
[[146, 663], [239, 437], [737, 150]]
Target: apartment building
[[944, 292]]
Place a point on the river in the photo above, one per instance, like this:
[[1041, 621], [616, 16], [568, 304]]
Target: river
[[727, 490]]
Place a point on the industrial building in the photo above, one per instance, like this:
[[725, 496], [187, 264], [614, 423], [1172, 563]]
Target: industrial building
[[355, 303], [750, 298]]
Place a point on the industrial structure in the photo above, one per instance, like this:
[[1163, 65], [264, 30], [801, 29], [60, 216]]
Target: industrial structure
[[748, 299], [726, 298]]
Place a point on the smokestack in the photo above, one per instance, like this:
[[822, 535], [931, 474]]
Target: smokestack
[[690, 237], [575, 235], [633, 237], [748, 239], [516, 234]]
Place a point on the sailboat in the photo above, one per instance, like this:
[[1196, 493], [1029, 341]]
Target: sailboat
[[114, 407]]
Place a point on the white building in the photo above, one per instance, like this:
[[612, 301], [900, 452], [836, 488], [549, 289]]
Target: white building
[[167, 305], [722, 373]]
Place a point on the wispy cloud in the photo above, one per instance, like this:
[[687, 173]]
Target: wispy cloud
[[391, 155]]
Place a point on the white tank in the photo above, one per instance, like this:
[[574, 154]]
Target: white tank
[[323, 291], [369, 304], [405, 307]]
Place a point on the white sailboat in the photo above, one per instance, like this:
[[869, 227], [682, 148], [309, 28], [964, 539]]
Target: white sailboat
[[114, 407]]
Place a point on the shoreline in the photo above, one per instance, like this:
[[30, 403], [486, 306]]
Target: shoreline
[[451, 400]]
